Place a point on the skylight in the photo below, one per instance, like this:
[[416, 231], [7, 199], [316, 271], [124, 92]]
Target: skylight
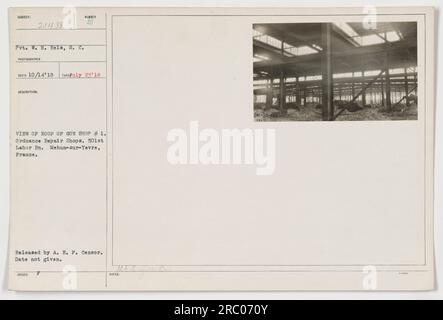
[[379, 38], [288, 50], [392, 36], [300, 51], [347, 29], [258, 57], [370, 39], [305, 50], [267, 39]]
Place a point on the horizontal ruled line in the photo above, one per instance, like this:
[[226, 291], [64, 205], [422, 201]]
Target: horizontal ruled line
[[67, 29], [223, 271], [60, 45], [61, 61], [91, 78]]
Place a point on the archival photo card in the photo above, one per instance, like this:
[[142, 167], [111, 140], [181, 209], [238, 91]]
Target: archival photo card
[[154, 149]]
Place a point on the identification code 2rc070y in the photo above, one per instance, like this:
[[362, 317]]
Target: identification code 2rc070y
[[222, 309]]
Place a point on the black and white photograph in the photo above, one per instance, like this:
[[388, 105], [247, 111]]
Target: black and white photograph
[[341, 71]]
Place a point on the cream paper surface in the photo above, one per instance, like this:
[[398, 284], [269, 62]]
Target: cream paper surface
[[96, 205]]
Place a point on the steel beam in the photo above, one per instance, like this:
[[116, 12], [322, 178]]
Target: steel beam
[[367, 85]]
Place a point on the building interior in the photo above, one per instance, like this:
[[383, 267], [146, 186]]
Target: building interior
[[335, 71]]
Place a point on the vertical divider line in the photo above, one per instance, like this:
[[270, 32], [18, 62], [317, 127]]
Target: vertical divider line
[[106, 153]]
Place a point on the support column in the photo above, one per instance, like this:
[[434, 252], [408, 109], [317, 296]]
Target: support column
[[353, 87], [382, 91], [269, 94], [415, 82], [327, 85], [282, 95], [388, 83], [297, 93], [363, 94]]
